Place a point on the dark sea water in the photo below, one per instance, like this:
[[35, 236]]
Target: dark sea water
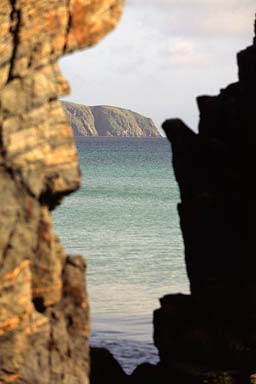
[[124, 222]]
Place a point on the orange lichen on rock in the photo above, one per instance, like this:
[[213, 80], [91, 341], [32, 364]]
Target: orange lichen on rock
[[10, 378], [13, 274]]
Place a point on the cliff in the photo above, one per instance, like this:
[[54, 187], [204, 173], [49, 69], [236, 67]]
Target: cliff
[[108, 121], [44, 323], [209, 336]]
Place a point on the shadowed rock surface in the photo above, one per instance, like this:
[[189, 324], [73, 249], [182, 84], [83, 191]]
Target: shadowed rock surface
[[210, 335], [105, 368], [148, 373], [44, 324], [105, 120]]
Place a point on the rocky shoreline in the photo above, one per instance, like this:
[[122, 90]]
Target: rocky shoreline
[[206, 337]]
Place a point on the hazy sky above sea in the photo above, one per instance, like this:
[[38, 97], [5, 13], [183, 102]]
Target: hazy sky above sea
[[162, 55]]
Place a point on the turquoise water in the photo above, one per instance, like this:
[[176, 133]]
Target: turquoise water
[[124, 221]]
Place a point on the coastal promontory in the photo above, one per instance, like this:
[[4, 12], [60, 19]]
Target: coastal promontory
[[105, 120]]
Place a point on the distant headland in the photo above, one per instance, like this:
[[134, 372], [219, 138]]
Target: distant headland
[[108, 121]]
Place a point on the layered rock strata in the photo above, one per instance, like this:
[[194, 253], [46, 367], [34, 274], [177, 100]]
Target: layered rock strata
[[44, 325], [210, 335]]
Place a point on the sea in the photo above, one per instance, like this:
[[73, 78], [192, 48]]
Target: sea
[[124, 221]]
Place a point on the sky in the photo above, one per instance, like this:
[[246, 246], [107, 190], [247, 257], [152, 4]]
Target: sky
[[162, 55]]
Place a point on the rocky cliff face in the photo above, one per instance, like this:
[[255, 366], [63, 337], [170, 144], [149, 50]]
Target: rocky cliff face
[[210, 335], [108, 121], [44, 324], [81, 119]]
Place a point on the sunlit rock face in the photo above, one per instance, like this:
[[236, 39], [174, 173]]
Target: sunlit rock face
[[44, 324], [210, 335]]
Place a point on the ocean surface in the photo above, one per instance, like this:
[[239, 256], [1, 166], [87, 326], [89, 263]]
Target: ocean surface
[[124, 222]]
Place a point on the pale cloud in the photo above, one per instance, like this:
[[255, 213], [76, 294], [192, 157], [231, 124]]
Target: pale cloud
[[200, 16], [162, 55], [232, 22], [183, 52], [194, 3]]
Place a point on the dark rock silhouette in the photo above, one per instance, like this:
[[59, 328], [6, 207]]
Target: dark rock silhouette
[[210, 335], [105, 368], [147, 373]]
